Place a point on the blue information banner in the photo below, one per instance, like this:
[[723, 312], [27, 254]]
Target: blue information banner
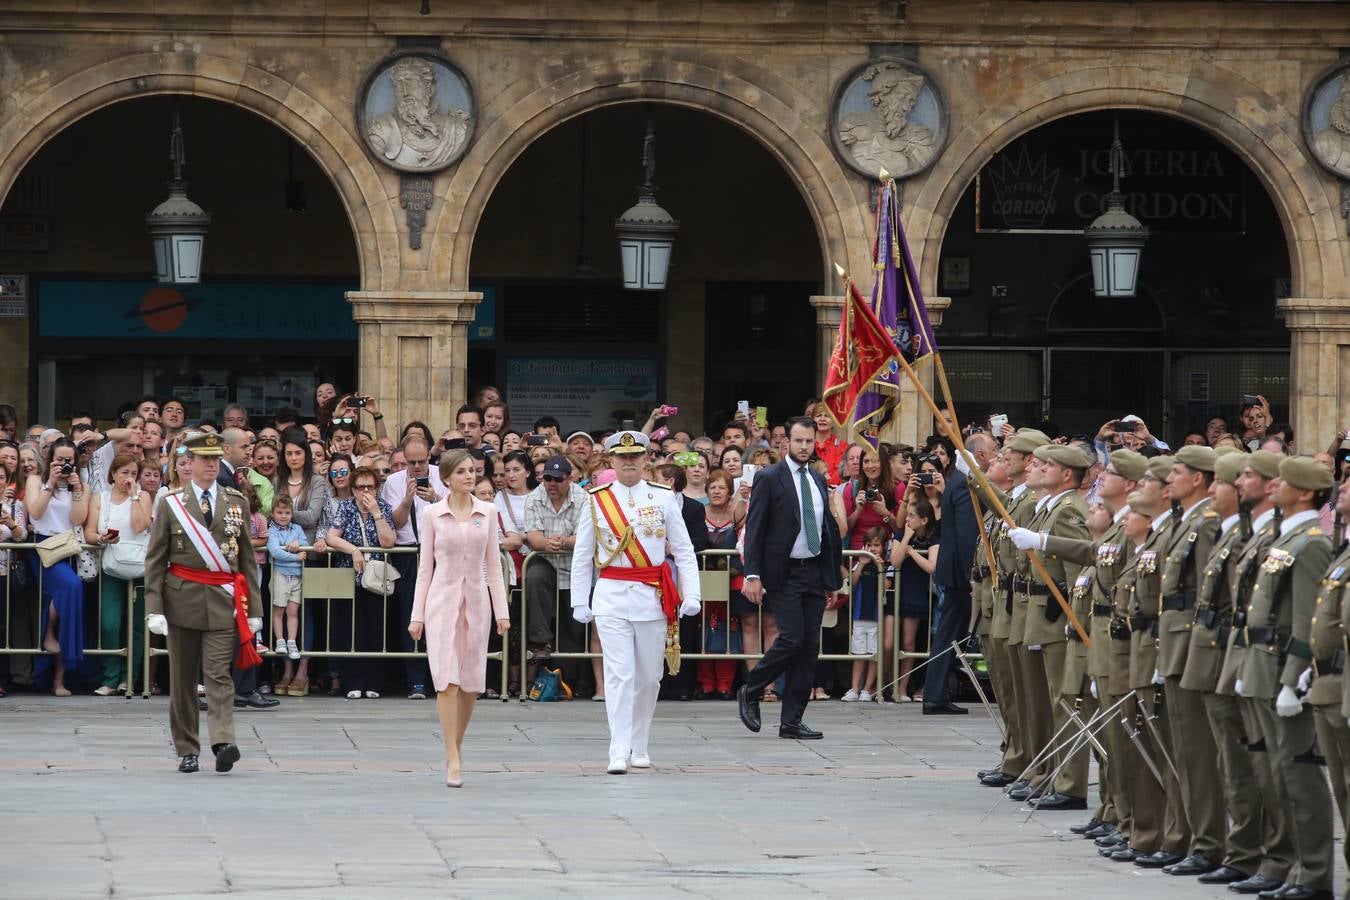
[[277, 311]]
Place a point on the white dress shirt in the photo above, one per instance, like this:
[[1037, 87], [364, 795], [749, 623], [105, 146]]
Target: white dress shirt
[[821, 507], [395, 489]]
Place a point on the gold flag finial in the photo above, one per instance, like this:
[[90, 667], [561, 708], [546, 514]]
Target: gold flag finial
[[840, 269], [884, 175]]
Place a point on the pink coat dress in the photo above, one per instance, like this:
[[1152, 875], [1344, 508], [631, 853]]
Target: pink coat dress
[[459, 568]]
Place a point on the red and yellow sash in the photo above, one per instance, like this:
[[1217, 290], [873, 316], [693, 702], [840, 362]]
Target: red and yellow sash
[[640, 567]]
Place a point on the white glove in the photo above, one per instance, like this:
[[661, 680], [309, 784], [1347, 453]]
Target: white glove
[[1305, 680], [1026, 539], [1237, 687], [157, 624], [583, 614], [1158, 679], [255, 625], [1287, 703], [1092, 686], [690, 607]]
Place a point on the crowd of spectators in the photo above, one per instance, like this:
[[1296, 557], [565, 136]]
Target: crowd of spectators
[[344, 490]]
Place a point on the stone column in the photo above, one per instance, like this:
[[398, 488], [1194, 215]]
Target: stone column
[[1319, 368], [414, 351]]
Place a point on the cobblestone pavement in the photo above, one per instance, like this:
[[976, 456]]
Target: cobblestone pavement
[[345, 799]]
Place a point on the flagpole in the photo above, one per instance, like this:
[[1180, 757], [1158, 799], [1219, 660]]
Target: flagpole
[[999, 508]]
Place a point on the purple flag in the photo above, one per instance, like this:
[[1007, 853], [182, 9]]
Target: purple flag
[[898, 303]]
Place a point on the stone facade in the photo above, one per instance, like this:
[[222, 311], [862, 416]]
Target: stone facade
[[1237, 70]]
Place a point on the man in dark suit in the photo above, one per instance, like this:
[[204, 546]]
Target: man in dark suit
[[234, 453], [956, 552], [792, 559]]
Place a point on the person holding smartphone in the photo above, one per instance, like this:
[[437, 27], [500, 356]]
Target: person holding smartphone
[[870, 500], [120, 516]]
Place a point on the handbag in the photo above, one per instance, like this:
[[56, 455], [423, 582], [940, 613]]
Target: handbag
[[58, 547], [549, 687], [86, 563], [378, 577], [124, 559]]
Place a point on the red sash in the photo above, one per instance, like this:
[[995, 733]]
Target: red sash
[[660, 577], [247, 657]]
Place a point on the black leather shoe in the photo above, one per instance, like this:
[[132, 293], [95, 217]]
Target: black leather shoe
[[1222, 875], [1296, 892], [1101, 831], [998, 779], [1090, 825], [226, 756], [1158, 860], [254, 700], [1255, 885], [798, 731], [944, 709], [1110, 842], [1023, 794], [749, 709], [1123, 854], [188, 764], [1018, 784], [985, 773], [1195, 864], [1057, 801]]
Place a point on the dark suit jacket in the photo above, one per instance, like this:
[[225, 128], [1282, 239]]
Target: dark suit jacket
[[772, 525], [226, 478], [695, 522], [960, 534]]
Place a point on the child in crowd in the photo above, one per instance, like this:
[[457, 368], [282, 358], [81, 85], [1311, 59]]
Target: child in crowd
[[284, 540], [866, 609], [257, 538]]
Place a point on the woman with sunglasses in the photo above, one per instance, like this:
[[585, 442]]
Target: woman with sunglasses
[[340, 468], [362, 520]]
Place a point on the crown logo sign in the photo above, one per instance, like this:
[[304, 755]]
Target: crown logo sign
[[1024, 189]]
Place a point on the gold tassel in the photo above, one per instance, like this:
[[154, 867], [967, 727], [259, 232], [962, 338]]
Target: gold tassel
[[673, 647]]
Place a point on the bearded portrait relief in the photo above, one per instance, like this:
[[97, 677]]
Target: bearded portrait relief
[[889, 115], [1326, 121], [417, 113]]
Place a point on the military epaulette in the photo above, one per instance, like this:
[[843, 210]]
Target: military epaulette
[[235, 491], [1314, 532], [597, 489], [175, 491], [664, 487], [1210, 514]]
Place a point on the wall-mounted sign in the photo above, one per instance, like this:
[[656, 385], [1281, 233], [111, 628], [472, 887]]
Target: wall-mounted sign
[[589, 394], [25, 234], [1056, 178], [416, 112], [13, 296], [888, 114]]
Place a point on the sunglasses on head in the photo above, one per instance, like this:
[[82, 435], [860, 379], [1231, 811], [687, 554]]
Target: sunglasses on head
[[344, 420]]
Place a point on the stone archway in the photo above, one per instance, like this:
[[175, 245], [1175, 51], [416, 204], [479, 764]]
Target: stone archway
[[1260, 130], [789, 124], [279, 97]]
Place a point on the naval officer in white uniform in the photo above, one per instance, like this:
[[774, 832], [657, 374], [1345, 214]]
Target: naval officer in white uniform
[[620, 550]]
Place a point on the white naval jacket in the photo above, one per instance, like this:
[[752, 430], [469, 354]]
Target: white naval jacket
[[656, 515]]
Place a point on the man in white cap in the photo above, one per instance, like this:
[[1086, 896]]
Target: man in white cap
[[621, 540]]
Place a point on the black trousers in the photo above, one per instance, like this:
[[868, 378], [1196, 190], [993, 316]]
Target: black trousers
[[797, 606], [953, 625]]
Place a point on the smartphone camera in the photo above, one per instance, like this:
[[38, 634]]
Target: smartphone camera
[[424, 481], [537, 440], [357, 401]]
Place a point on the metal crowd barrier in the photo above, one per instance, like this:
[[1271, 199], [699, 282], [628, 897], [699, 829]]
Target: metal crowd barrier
[[325, 584], [715, 587], [32, 600]]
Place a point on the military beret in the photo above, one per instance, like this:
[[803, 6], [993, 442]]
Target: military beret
[[1305, 473], [1196, 457], [205, 443], [1027, 440], [1064, 455], [1225, 449], [1266, 463], [1140, 504], [1229, 466], [1160, 467], [1129, 465]]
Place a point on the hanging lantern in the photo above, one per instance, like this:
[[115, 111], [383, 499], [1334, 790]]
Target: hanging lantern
[[178, 226], [1115, 238], [646, 231]]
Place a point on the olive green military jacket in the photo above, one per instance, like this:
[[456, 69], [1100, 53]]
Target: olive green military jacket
[[1242, 574], [1280, 613], [1064, 516], [1144, 606], [981, 579], [1009, 611], [186, 604], [1326, 635], [1188, 550], [1213, 614], [1118, 627], [1103, 561]]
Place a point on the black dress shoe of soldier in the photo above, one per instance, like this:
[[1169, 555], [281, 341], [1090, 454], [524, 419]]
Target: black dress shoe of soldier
[[188, 764]]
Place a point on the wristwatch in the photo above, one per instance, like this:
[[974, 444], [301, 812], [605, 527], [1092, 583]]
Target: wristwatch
[[751, 578]]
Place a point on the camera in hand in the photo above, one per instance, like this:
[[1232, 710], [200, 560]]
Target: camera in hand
[[925, 478], [537, 440], [873, 495], [454, 443], [1250, 400], [67, 469], [1127, 427], [357, 401]]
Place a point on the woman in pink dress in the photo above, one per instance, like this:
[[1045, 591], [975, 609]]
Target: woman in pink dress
[[459, 593]]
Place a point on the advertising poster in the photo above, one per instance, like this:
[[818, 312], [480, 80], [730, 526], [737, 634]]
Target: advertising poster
[[583, 394]]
